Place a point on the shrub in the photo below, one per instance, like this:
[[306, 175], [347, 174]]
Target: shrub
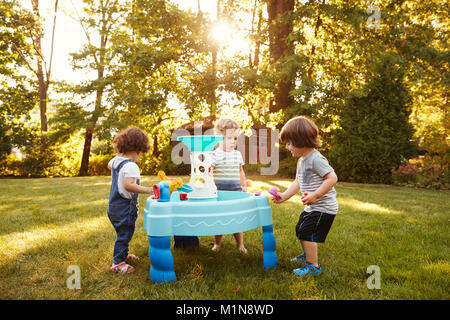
[[374, 133], [40, 158], [10, 166], [418, 175], [151, 164], [98, 165]]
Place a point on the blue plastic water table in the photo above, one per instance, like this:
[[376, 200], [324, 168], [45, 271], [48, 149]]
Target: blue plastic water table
[[219, 212], [231, 212]]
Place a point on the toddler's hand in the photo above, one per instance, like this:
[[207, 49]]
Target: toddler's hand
[[309, 198], [244, 189], [281, 199], [148, 190]]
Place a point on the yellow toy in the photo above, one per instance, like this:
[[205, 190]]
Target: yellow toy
[[174, 184]]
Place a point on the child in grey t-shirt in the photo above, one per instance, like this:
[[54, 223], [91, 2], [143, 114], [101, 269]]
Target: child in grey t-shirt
[[316, 179], [310, 176]]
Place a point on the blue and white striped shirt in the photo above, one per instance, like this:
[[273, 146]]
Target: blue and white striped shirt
[[227, 165]]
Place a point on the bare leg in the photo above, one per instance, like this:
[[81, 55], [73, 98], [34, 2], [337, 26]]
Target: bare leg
[[217, 242], [240, 241], [303, 247], [310, 249]]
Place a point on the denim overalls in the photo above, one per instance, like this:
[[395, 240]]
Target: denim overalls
[[122, 213]]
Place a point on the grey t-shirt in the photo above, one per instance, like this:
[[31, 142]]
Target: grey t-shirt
[[310, 173]]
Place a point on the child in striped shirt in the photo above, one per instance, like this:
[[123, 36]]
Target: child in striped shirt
[[316, 179], [228, 170]]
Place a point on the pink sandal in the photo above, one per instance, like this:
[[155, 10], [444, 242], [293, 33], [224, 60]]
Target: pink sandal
[[122, 268]]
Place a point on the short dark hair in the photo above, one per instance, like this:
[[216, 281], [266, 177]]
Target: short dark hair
[[301, 132], [131, 139]]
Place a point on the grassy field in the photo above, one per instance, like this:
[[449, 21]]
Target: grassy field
[[47, 225]]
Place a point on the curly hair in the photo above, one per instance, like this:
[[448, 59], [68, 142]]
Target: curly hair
[[301, 132], [131, 139]]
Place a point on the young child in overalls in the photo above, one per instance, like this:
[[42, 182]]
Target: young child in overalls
[[123, 206]]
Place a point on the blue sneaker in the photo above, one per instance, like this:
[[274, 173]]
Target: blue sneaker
[[308, 268], [299, 258]]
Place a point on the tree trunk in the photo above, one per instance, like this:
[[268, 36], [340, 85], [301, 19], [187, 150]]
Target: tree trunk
[[279, 48], [86, 152], [90, 131], [95, 115], [213, 84], [214, 70], [42, 85], [42, 89], [313, 47], [258, 41], [155, 151]]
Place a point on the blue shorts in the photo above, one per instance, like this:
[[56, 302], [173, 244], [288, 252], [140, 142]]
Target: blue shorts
[[314, 226], [228, 185]]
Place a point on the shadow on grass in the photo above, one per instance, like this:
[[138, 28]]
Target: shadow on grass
[[215, 275], [40, 269], [65, 201], [32, 217]]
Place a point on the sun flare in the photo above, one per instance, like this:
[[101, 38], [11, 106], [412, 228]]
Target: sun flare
[[231, 40]]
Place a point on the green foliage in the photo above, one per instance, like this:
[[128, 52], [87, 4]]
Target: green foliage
[[98, 165], [15, 23], [164, 162], [417, 174], [17, 96], [11, 166], [334, 50], [44, 157], [374, 133], [154, 67], [40, 158]]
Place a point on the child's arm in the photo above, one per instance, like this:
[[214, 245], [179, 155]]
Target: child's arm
[[330, 179], [243, 182], [131, 186], [290, 192]]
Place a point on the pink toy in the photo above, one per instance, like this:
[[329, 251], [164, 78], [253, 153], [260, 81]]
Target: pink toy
[[273, 191]]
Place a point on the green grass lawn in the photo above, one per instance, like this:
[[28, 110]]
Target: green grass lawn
[[47, 225]]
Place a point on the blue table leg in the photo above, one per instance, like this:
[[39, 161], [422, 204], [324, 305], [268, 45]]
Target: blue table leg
[[269, 255], [162, 266]]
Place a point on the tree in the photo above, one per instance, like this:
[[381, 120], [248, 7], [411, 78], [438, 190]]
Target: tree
[[374, 133], [42, 71], [102, 19], [152, 56], [280, 26], [17, 97], [335, 46]]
